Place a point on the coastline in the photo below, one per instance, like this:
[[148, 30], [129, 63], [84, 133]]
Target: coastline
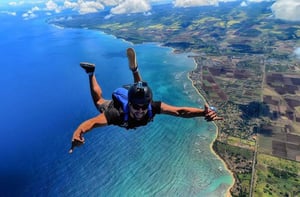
[[218, 145], [228, 194], [176, 51]]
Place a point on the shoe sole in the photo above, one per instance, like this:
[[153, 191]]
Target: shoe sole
[[131, 59], [87, 65]]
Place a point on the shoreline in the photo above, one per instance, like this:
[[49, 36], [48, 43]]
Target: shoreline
[[228, 194], [176, 52]]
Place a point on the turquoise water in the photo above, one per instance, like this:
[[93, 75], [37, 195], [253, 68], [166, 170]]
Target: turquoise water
[[45, 96]]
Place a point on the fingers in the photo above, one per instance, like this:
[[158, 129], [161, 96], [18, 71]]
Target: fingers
[[77, 140], [213, 118], [75, 143], [218, 118], [211, 113]]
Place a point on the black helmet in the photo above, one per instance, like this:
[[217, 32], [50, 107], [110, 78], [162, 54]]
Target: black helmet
[[140, 93]]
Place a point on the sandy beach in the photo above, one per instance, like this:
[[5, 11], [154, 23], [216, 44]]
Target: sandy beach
[[228, 194]]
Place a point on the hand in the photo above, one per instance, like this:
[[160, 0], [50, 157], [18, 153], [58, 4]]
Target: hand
[[77, 140], [211, 115]]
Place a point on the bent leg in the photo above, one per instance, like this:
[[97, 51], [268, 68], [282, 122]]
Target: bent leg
[[96, 91], [133, 65]]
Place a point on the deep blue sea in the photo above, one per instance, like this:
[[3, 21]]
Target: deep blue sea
[[45, 96]]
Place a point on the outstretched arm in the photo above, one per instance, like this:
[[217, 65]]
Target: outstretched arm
[[190, 112], [84, 127]]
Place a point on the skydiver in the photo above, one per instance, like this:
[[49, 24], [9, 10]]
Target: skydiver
[[130, 107]]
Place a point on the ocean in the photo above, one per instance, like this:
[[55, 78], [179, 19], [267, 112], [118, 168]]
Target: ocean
[[45, 96]]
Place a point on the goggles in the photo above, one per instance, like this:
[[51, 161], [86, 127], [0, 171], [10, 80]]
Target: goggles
[[139, 106]]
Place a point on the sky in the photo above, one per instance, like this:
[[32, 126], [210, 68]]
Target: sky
[[282, 9], [288, 10]]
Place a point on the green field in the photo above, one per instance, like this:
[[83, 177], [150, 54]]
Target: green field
[[239, 158], [276, 177], [241, 142]]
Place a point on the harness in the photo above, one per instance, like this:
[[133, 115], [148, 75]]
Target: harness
[[120, 96]]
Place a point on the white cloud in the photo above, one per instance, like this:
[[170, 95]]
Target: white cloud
[[9, 13], [287, 10], [83, 7], [227, 0], [13, 3], [52, 6], [70, 5], [244, 4], [86, 7], [131, 6], [258, 1], [111, 2], [108, 16], [29, 15], [282, 9], [16, 3], [35, 8], [297, 52], [192, 3]]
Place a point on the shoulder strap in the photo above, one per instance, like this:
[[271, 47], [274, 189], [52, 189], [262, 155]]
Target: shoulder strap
[[150, 114], [120, 95]]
